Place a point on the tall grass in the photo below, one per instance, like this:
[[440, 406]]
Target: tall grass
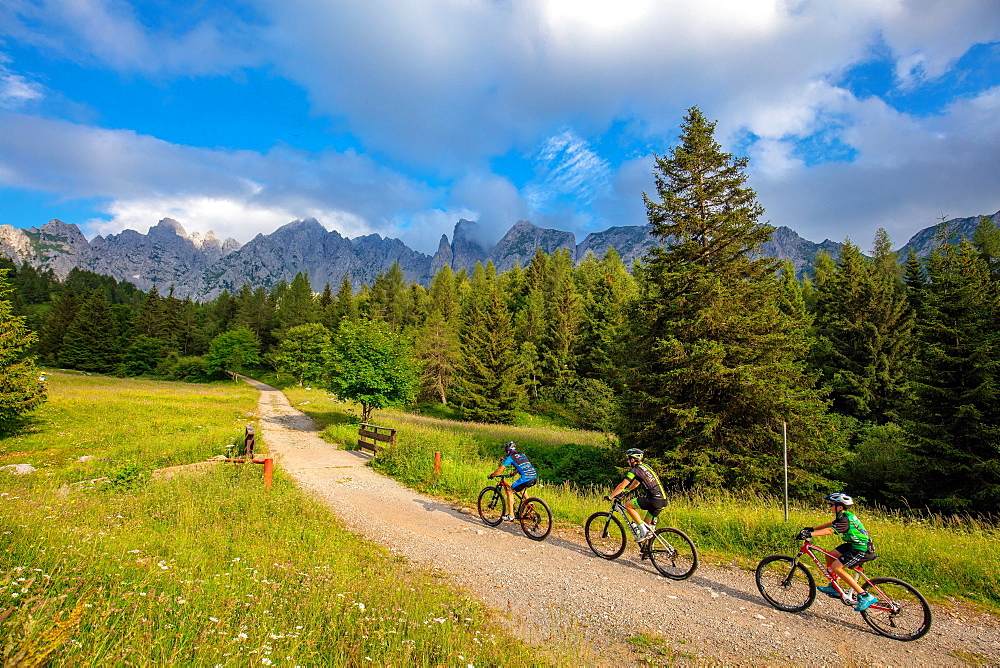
[[943, 557], [204, 570]]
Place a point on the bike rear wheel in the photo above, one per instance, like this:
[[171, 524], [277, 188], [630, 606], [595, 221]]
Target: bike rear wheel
[[673, 554], [535, 518], [491, 506], [605, 535], [785, 584], [904, 616]]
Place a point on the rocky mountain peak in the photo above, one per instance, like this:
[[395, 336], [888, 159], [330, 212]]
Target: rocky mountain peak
[[167, 227]]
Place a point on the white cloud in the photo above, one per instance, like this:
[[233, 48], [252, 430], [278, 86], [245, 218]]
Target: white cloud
[[112, 33], [15, 90], [566, 165], [447, 85], [908, 171], [236, 193]]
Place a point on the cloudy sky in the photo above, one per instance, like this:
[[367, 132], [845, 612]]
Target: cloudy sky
[[400, 117]]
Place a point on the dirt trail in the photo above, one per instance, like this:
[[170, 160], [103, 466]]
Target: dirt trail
[[559, 593]]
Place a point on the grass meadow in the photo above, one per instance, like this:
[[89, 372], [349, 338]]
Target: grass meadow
[[944, 558], [209, 569]]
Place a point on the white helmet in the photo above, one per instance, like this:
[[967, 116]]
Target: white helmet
[[840, 499]]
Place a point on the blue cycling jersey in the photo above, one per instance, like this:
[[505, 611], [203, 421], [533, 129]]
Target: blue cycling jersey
[[522, 465]]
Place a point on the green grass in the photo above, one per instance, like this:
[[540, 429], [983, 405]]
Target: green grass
[[942, 557], [201, 570]]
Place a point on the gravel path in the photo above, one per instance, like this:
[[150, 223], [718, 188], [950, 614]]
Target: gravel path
[[590, 606]]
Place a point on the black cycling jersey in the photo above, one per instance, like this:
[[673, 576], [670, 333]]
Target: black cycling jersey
[[650, 481]]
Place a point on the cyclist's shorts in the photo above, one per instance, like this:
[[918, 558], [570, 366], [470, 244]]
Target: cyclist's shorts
[[852, 557], [523, 483], [651, 505]]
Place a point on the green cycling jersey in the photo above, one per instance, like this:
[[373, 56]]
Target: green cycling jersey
[[852, 531]]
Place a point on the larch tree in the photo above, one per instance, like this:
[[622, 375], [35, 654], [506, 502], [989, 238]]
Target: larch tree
[[715, 361]]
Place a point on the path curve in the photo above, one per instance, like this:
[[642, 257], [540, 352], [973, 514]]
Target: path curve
[[717, 616]]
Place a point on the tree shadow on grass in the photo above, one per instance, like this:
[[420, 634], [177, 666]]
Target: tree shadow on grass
[[331, 417]]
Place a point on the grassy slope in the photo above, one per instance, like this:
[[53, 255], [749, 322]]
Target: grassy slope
[[944, 559], [202, 570]]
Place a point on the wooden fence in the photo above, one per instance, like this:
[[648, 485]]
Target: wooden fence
[[372, 436]]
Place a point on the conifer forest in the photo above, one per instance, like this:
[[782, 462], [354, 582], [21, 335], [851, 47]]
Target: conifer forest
[[884, 369]]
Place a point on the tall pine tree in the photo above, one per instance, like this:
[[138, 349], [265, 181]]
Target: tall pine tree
[[715, 361]]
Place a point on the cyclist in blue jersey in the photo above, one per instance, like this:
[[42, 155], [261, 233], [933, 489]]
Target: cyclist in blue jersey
[[653, 501], [524, 468]]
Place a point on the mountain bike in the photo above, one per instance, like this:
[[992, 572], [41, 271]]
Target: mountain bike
[[671, 551], [901, 612], [533, 513]]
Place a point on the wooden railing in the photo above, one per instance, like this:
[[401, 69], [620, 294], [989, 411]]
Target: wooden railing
[[372, 436]]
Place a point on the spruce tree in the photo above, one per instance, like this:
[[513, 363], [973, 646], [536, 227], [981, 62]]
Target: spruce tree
[[715, 361], [490, 366], [92, 343], [986, 240], [64, 311], [20, 389], [343, 307], [956, 417], [864, 325]]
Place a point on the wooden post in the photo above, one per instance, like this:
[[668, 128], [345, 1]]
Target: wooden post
[[268, 472], [248, 442], [437, 462]]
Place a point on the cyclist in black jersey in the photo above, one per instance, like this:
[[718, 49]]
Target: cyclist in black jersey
[[653, 501]]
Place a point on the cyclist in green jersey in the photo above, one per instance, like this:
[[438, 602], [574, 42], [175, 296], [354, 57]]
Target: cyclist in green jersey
[[856, 549], [654, 499]]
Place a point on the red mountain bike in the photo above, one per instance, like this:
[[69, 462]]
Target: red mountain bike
[[901, 612], [533, 513]]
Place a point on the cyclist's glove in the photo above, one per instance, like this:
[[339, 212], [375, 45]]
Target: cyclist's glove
[[608, 497], [806, 532], [489, 477]]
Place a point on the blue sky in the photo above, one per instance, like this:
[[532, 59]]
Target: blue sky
[[399, 118]]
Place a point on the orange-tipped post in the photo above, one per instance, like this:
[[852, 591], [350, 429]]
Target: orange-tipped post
[[268, 472], [437, 462]]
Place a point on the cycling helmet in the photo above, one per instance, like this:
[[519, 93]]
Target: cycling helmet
[[839, 498], [634, 453], [510, 446]]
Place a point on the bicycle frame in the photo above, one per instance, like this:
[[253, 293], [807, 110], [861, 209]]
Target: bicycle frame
[[503, 484], [618, 506], [884, 602]]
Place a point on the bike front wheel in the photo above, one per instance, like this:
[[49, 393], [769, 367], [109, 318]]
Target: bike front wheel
[[535, 518], [605, 535], [673, 554], [491, 506], [785, 583], [901, 612]]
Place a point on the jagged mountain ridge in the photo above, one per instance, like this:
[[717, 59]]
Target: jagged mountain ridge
[[201, 268]]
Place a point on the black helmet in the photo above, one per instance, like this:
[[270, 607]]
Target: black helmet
[[510, 446], [634, 453]]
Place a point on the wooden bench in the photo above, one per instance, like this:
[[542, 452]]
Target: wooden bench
[[372, 436]]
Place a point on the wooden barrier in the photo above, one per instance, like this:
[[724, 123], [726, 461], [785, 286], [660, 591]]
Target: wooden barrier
[[370, 436]]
